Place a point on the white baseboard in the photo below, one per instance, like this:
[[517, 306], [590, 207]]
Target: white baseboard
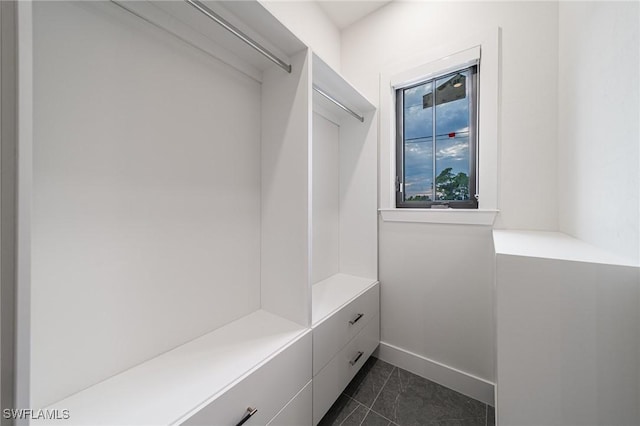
[[462, 382]]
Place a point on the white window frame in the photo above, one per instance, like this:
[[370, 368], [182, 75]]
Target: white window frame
[[485, 48]]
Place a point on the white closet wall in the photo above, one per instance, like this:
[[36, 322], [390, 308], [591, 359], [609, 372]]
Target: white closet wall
[[326, 198], [359, 196], [146, 195]]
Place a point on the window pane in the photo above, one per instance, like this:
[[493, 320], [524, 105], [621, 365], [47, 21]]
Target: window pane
[[418, 143], [452, 137]]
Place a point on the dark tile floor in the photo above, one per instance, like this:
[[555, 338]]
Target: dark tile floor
[[384, 395]]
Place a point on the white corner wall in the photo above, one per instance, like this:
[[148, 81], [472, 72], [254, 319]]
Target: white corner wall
[[146, 195], [437, 295], [437, 280], [311, 25], [599, 116]]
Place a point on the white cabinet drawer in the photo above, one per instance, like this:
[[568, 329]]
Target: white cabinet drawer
[[330, 335], [297, 412], [268, 389], [334, 377]]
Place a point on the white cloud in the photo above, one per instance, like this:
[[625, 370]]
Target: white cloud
[[456, 152]]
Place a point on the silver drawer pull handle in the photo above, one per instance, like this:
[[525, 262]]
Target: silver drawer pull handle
[[250, 412], [353, 361], [356, 319]]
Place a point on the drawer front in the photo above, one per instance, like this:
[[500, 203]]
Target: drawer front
[[335, 376], [268, 389], [297, 412], [330, 336]]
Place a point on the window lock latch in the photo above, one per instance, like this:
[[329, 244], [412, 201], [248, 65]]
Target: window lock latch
[[398, 185]]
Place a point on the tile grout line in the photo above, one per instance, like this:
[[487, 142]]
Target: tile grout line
[[384, 417], [370, 409], [353, 411], [383, 385], [365, 416], [376, 398]]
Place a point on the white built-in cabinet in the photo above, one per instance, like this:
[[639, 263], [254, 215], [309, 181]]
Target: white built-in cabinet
[[197, 228], [567, 332], [345, 292]]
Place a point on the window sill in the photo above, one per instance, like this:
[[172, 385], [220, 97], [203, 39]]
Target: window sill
[[484, 217]]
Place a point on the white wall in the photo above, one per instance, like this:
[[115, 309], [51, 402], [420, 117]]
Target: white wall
[[325, 240], [436, 297], [311, 25], [437, 280], [598, 134], [146, 202], [358, 200], [529, 58]]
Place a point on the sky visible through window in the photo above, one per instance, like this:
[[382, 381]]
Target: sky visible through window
[[452, 135]]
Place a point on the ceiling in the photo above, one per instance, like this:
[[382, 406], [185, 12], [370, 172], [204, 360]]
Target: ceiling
[[345, 12]]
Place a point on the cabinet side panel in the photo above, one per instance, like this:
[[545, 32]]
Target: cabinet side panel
[[286, 138], [567, 335]]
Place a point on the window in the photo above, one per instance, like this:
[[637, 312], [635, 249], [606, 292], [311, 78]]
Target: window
[[436, 141]]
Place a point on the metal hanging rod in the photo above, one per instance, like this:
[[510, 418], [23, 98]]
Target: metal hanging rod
[[332, 99], [236, 32]]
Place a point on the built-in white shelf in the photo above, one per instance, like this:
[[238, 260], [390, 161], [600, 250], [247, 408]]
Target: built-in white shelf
[[552, 245], [169, 388], [332, 82], [192, 27], [329, 295]]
